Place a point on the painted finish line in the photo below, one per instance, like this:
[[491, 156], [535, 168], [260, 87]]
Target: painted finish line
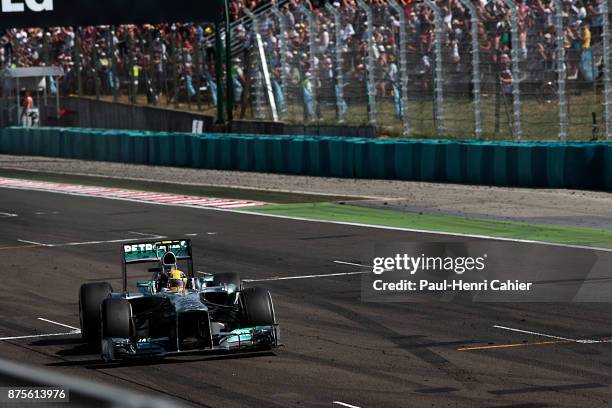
[[124, 194]]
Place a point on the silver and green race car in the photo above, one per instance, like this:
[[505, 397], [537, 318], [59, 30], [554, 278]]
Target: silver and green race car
[[207, 312]]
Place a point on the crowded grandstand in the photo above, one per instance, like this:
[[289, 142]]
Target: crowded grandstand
[[175, 63]]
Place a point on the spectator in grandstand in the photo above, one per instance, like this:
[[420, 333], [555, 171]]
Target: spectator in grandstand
[[585, 36], [547, 52], [572, 44], [505, 76]]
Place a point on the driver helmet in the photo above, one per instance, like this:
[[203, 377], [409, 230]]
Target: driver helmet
[[176, 280]]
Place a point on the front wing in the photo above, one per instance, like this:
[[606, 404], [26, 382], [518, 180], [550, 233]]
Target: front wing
[[251, 338]]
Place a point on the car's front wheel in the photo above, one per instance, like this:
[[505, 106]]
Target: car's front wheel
[[116, 317], [257, 307], [91, 296]]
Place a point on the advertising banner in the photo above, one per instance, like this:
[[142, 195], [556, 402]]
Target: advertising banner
[[51, 13]]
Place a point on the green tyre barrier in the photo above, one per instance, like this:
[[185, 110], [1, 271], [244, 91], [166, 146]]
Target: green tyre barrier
[[474, 161], [555, 166], [166, 150], [182, 153], [607, 167], [526, 164], [277, 148], [260, 155], [23, 142], [314, 165], [456, 166], [154, 156], [524, 168], [539, 166], [341, 158], [114, 147], [126, 152], [582, 166], [432, 155], [375, 160], [245, 153], [36, 142], [196, 152], [228, 160], [501, 170], [141, 149], [297, 156], [50, 142], [212, 148]]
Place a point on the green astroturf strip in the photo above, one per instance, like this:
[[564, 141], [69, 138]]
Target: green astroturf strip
[[443, 223]]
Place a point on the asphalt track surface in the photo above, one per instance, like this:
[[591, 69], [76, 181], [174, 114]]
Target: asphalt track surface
[[337, 348]]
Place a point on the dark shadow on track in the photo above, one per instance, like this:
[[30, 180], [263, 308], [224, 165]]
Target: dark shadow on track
[[527, 405], [61, 341], [95, 364], [548, 388], [80, 348]]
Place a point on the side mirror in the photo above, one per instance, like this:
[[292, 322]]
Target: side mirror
[[145, 287], [203, 281]]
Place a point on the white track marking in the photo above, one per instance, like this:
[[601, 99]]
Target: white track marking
[[550, 336], [352, 263], [39, 335], [32, 242], [533, 333], [277, 278], [144, 234], [59, 324], [363, 266], [191, 235], [7, 215], [110, 241], [4, 184], [344, 404], [75, 330]]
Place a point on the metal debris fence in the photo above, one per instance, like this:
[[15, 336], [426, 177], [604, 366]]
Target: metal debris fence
[[499, 71]]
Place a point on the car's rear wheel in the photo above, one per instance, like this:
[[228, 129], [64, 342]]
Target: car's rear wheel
[[91, 296], [116, 316], [257, 307]]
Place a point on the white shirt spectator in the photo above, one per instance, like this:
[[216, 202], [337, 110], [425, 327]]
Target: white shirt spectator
[[393, 72], [324, 40], [347, 32], [69, 41]]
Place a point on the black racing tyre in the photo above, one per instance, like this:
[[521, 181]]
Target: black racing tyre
[[116, 317], [226, 278], [257, 307], [91, 296]]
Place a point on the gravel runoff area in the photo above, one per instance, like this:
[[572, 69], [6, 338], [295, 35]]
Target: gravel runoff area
[[551, 206]]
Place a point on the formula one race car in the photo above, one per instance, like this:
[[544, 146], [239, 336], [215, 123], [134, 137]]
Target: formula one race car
[[175, 312]]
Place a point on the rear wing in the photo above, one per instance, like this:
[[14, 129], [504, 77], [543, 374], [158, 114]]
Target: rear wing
[[152, 251]]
